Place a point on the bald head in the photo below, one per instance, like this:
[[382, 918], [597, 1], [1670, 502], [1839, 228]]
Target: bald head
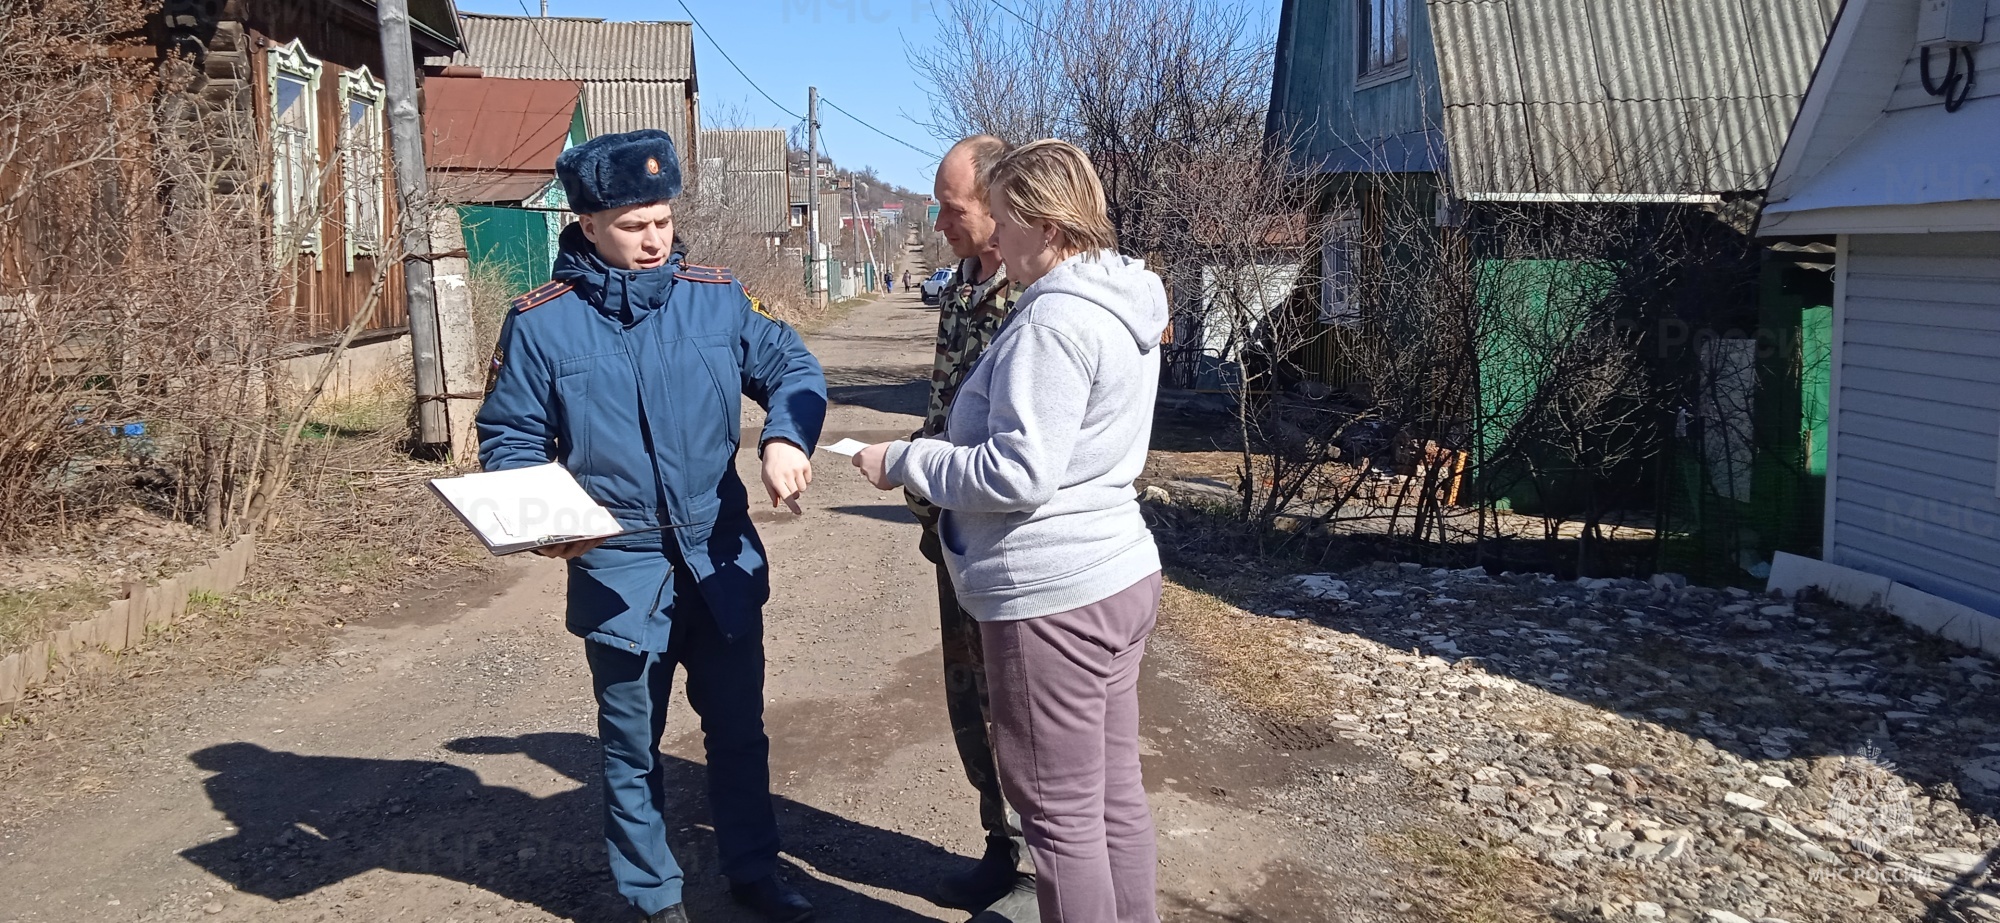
[[963, 215], [974, 158]]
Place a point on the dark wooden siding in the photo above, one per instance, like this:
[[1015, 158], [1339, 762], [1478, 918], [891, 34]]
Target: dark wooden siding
[[1342, 129]]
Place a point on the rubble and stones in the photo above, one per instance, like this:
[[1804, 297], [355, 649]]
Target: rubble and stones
[[1673, 752]]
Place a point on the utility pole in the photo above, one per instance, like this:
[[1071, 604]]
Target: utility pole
[[812, 192], [854, 192], [406, 139], [545, 9]]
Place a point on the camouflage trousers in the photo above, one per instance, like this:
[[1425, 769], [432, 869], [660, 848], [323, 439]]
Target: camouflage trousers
[[965, 703]]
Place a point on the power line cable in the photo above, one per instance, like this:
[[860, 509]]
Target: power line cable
[[781, 106], [544, 40], [935, 156], [732, 62], [1028, 22]]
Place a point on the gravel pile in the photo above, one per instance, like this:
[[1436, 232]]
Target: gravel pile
[[1668, 752]]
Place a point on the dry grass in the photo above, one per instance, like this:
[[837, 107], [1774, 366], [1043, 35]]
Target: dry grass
[[358, 530], [1248, 657], [361, 511], [27, 615], [1260, 663], [1465, 882]]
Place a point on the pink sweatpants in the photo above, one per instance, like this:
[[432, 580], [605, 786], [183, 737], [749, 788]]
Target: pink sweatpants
[[1065, 701]]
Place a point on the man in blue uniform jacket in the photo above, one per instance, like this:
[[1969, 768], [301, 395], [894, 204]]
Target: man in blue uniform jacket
[[629, 369]]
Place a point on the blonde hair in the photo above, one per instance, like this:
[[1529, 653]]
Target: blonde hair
[[1052, 181]]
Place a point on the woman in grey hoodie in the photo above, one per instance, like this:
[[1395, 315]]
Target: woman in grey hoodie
[[1043, 535]]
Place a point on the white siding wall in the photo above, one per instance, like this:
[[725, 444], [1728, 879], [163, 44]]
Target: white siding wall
[[1918, 428], [1910, 87]]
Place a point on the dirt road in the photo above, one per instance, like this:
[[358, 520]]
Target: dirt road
[[438, 762]]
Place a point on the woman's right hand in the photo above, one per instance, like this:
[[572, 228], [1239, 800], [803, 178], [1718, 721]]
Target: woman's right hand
[[874, 464]]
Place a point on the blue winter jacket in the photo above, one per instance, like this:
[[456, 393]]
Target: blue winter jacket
[[633, 380]]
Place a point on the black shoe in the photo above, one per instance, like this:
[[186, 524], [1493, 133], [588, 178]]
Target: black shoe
[[982, 884], [675, 914], [773, 900], [1019, 905]]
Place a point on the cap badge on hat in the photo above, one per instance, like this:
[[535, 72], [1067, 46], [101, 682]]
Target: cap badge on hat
[[605, 172]]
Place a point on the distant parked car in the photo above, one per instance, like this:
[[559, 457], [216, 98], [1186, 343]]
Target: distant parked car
[[934, 286]]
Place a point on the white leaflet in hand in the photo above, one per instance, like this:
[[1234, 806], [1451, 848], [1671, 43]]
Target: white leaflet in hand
[[846, 447]]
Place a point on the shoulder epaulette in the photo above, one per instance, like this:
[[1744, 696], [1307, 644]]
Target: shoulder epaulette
[[540, 296], [694, 273]]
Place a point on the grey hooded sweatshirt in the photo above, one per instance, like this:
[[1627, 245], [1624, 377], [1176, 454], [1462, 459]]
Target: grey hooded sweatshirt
[[1035, 468]]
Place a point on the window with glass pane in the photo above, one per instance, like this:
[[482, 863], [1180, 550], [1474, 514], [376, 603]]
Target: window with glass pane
[[362, 158], [294, 148], [1338, 301], [1385, 37]]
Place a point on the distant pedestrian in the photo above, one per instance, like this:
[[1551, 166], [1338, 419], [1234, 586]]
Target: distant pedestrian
[[906, 280], [888, 284]]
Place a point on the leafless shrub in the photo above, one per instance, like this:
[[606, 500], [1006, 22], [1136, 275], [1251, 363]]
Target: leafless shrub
[[1168, 100], [1403, 359], [719, 222], [1522, 350], [137, 278]]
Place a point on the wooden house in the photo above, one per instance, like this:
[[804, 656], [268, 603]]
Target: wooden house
[[305, 78], [491, 145], [754, 190], [1486, 130]]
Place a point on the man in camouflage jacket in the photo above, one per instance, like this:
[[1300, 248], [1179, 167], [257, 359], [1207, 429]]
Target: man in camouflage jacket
[[972, 306]]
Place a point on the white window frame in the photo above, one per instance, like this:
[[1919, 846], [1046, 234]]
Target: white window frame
[[1339, 304], [295, 181], [1382, 41], [362, 165]]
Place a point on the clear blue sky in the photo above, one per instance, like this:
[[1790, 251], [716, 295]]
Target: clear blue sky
[[853, 50]]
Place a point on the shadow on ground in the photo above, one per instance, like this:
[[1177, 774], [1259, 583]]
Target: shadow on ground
[[882, 512], [905, 396], [1828, 681], [309, 822]]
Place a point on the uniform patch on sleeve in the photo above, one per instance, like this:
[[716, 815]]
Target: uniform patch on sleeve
[[539, 296], [758, 306], [493, 368]]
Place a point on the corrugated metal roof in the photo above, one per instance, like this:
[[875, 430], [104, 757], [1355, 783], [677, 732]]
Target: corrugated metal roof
[[757, 201], [1643, 97], [635, 74], [745, 149], [477, 188], [610, 108], [750, 165], [565, 48]]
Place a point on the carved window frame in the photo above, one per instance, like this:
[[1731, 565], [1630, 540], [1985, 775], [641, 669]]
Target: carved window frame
[[295, 149], [364, 211]]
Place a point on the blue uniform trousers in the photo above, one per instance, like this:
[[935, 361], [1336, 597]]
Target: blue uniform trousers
[[725, 685]]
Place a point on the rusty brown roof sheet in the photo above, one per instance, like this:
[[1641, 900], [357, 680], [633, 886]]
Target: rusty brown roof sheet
[[476, 188], [497, 123]]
